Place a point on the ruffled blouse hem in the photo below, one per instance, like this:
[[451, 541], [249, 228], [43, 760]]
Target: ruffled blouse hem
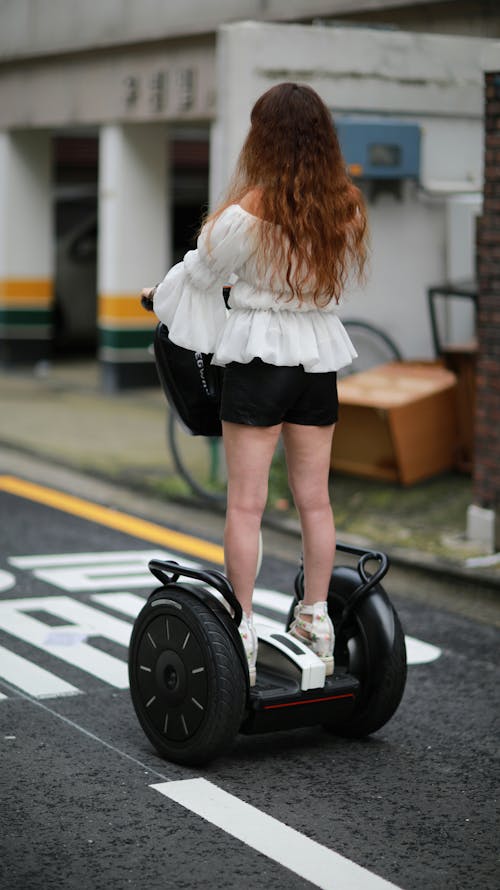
[[317, 341]]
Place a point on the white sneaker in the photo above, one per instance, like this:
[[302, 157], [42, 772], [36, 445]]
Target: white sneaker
[[249, 636], [317, 633]]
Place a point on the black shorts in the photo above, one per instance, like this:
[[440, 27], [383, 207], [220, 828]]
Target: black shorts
[[259, 394]]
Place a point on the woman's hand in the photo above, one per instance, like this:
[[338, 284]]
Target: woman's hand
[[147, 295]]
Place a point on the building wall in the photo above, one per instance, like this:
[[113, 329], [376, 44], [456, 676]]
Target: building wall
[[435, 80], [471, 18], [171, 81], [39, 27], [430, 80], [487, 432]]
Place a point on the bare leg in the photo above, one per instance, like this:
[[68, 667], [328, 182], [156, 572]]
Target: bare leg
[[308, 450], [249, 451]]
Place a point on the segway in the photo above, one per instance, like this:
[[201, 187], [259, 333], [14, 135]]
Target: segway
[[189, 677]]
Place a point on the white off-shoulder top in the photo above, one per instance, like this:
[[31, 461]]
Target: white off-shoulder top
[[262, 322]]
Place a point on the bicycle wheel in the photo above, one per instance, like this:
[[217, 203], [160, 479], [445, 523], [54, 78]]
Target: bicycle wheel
[[199, 460], [374, 347]]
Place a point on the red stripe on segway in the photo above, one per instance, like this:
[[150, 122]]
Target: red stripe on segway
[[309, 701]]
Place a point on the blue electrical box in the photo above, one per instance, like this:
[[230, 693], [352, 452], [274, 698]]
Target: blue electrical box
[[379, 148]]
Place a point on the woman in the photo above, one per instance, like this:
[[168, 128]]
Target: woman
[[291, 230]]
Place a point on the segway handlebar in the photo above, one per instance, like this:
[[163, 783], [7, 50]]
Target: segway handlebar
[[366, 556], [168, 572], [368, 581]]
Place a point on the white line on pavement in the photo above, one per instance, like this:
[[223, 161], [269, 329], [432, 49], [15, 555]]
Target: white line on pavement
[[321, 866], [418, 652], [31, 678], [72, 642], [67, 642], [86, 732], [300, 854]]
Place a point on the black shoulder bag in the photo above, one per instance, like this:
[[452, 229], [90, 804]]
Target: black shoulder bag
[[192, 385]]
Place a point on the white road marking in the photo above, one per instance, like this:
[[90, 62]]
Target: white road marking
[[105, 571], [38, 560], [78, 572], [99, 557], [84, 622], [30, 678], [295, 851], [418, 652], [86, 732], [127, 603], [7, 580], [272, 599], [265, 621]]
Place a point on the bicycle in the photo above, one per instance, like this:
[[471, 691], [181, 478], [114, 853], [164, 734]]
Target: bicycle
[[200, 460], [373, 345]]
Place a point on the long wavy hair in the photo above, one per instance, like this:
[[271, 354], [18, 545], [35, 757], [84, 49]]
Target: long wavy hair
[[292, 156]]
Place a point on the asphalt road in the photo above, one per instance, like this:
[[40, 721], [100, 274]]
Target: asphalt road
[[87, 803]]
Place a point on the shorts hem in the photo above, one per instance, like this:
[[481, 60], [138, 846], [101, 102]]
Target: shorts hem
[[259, 421], [251, 421], [311, 422]]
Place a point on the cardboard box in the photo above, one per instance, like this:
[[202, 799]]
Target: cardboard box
[[397, 422]]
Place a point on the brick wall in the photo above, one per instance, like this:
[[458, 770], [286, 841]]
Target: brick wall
[[487, 429]]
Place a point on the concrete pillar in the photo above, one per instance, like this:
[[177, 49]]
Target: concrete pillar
[[133, 250], [26, 255]]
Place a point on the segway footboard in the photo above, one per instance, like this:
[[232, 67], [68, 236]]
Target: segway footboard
[[277, 703]]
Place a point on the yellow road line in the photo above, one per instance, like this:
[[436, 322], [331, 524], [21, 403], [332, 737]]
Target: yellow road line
[[131, 525]]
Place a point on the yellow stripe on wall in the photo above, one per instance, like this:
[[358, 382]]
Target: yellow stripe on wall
[[27, 292], [130, 525], [123, 310]]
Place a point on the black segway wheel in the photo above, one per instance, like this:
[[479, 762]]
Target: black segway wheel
[[186, 679], [369, 646], [381, 699]]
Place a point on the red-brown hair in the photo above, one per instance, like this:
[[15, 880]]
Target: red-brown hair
[[292, 156]]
